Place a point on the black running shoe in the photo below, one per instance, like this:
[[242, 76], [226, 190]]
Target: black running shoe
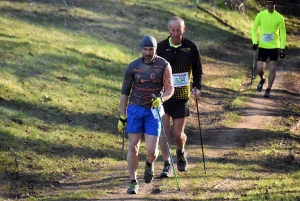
[[267, 93], [133, 188], [149, 172], [181, 162], [167, 171], [260, 85]]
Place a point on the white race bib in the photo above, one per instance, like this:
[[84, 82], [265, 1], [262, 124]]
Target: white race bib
[[180, 79], [267, 37], [155, 114]]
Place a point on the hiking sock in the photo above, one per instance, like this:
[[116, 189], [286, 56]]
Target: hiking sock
[[134, 181], [167, 162], [147, 163], [178, 151]]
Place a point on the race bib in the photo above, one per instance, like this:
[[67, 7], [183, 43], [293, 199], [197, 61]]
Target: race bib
[[155, 114], [267, 37], [180, 79]]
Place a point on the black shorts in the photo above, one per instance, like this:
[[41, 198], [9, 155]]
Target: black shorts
[[177, 108], [264, 54]]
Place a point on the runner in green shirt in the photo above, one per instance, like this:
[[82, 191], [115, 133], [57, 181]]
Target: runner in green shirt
[[272, 37]]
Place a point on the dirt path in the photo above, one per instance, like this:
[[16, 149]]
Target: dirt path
[[259, 115], [256, 116], [262, 111]]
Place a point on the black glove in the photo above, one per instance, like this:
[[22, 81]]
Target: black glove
[[254, 46], [281, 54]]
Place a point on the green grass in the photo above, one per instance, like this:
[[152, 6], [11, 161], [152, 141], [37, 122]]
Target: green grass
[[230, 119], [60, 79]]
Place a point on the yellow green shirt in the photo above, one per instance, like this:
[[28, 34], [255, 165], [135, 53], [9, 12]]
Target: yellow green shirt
[[272, 33]]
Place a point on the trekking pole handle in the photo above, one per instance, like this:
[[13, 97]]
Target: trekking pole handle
[[168, 147], [194, 91]]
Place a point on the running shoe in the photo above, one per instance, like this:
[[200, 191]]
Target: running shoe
[[260, 85], [133, 188], [167, 171], [182, 162], [149, 172], [267, 93]]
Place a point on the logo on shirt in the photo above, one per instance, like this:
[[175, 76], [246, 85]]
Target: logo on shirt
[[185, 49], [137, 76], [138, 70], [152, 76], [157, 70]]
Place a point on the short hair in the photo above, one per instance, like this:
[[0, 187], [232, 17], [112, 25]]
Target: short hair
[[176, 18]]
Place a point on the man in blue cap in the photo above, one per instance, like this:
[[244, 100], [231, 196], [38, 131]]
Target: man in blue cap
[[147, 75]]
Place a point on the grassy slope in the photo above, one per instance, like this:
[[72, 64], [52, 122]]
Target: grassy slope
[[60, 79]]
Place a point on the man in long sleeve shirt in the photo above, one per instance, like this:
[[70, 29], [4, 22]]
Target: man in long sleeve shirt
[[272, 38]]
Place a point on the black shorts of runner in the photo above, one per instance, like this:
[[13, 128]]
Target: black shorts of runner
[[177, 108], [264, 54]]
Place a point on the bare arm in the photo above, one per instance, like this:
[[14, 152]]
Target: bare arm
[[168, 83], [123, 104]]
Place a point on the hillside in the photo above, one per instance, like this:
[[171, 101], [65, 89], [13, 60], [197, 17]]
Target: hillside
[[62, 66]]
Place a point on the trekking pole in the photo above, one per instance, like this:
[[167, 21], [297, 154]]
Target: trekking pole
[[283, 64], [253, 65], [165, 137], [200, 136], [123, 142]]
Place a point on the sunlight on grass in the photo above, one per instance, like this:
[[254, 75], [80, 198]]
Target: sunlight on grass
[[230, 119], [60, 79], [276, 128], [240, 101], [237, 175]]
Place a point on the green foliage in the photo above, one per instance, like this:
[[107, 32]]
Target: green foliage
[[60, 79]]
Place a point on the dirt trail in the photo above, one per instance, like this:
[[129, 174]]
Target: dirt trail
[[257, 115], [218, 141], [260, 114], [263, 111]]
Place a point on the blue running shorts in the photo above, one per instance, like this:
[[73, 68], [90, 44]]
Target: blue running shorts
[[140, 119]]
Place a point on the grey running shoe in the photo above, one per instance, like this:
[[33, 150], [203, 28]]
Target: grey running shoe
[[167, 171], [149, 172], [181, 162], [133, 188], [267, 93], [260, 85]]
